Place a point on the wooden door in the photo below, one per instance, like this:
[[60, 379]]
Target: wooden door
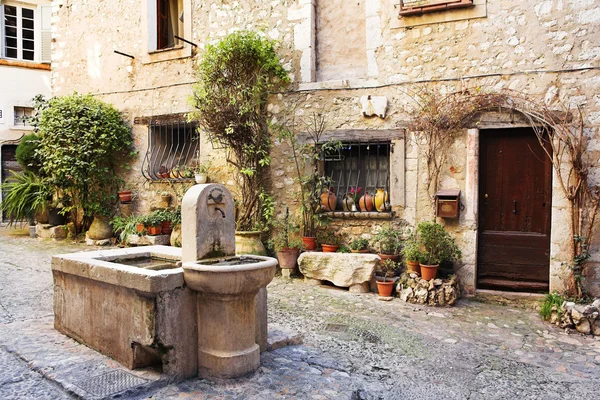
[[515, 192]]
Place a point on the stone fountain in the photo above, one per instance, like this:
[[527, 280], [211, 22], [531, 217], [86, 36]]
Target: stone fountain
[[142, 308]]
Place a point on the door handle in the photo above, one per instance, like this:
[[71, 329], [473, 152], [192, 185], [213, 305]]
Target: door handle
[[514, 206]]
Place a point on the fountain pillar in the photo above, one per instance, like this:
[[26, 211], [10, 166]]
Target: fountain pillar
[[226, 287]]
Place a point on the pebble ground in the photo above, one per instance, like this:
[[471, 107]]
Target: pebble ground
[[355, 347]]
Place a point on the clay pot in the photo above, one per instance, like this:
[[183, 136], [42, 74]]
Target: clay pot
[[100, 229], [248, 242], [328, 201], [347, 203], [139, 227], [366, 203], [154, 230], [175, 239], [381, 197], [166, 228], [310, 242], [125, 196], [413, 266], [330, 248], [288, 257], [428, 272], [393, 257], [386, 288]]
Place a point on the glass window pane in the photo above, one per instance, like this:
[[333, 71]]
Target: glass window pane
[[11, 53], [11, 42], [27, 55], [10, 21], [28, 34], [10, 10], [11, 32], [27, 13], [27, 23], [28, 44]]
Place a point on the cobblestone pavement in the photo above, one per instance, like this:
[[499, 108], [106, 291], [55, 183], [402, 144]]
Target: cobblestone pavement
[[355, 347]]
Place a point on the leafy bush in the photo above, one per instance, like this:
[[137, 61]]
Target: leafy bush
[[551, 300], [235, 77], [410, 250], [389, 239], [124, 226], [26, 153], [25, 194], [330, 237], [388, 268], [437, 245], [359, 244], [82, 142]]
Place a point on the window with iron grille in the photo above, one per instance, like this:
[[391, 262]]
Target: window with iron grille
[[23, 116], [359, 165], [172, 150]]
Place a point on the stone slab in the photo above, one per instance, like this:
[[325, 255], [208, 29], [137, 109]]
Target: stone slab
[[280, 336], [147, 240], [45, 231], [341, 269]]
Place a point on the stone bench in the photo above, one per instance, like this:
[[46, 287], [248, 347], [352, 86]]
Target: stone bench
[[351, 270]]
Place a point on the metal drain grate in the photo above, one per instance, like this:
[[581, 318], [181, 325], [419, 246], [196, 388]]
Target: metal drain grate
[[336, 328], [110, 383]]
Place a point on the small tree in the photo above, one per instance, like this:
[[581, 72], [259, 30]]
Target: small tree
[[82, 142], [235, 77]]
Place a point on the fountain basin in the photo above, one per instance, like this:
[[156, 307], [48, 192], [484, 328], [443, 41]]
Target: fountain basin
[[226, 292]]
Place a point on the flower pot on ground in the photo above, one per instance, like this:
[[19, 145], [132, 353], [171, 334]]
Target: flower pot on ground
[[288, 257], [248, 242], [387, 269], [412, 254], [437, 245], [100, 228], [286, 246], [359, 245]]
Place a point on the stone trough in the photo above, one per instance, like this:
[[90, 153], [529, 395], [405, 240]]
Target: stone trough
[[141, 307]]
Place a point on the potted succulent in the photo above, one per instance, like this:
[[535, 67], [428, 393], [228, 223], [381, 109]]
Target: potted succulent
[[412, 254], [359, 245], [388, 268], [437, 245], [329, 240], [389, 242]]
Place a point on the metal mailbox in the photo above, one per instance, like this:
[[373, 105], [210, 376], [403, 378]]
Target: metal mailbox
[[447, 203]]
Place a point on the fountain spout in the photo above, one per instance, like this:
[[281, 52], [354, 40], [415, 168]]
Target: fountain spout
[[221, 211]]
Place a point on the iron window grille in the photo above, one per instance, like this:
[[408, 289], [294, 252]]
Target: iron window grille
[[172, 150], [23, 116], [363, 165]]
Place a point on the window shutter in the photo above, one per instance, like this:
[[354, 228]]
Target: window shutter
[[46, 33]]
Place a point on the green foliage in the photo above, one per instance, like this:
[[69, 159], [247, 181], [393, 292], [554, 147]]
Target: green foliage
[[230, 98], [389, 239], [436, 244], [83, 140], [284, 228], [546, 305], [25, 194], [388, 268], [330, 237], [343, 249], [410, 250], [26, 153], [124, 226], [359, 244]]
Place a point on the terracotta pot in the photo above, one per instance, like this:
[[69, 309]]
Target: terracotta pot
[[100, 229], [125, 196], [166, 228], [393, 257], [154, 230], [310, 242], [428, 272], [288, 257], [366, 203], [328, 201], [330, 248], [347, 203], [248, 242], [413, 266], [139, 227], [386, 288], [360, 251], [381, 197], [175, 238]]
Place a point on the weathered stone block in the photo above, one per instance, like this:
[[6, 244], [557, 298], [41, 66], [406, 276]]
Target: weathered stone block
[[341, 269], [147, 240]]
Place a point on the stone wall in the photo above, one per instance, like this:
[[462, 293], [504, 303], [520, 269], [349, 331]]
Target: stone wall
[[547, 49]]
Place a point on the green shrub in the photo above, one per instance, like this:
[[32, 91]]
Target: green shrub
[[359, 244], [26, 153], [25, 194]]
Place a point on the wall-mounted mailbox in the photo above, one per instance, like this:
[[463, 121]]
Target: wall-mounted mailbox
[[447, 203]]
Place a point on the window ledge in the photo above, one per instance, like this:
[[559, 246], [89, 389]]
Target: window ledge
[[25, 64], [20, 128], [172, 53], [359, 215]]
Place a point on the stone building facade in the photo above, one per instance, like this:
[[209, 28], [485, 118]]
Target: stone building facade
[[337, 53]]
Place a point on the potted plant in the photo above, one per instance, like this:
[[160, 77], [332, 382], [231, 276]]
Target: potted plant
[[124, 226], [165, 199], [286, 246], [437, 245], [329, 240], [412, 254], [165, 216], [140, 224], [388, 268], [359, 245], [153, 224], [201, 172], [389, 242], [25, 193]]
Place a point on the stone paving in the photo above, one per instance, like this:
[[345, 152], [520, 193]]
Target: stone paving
[[355, 347]]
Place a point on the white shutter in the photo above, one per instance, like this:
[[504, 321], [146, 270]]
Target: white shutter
[[46, 33]]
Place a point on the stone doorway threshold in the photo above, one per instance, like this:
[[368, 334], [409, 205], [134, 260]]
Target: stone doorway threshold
[[525, 300]]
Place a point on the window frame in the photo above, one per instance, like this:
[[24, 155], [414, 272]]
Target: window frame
[[430, 6], [19, 27], [150, 22]]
